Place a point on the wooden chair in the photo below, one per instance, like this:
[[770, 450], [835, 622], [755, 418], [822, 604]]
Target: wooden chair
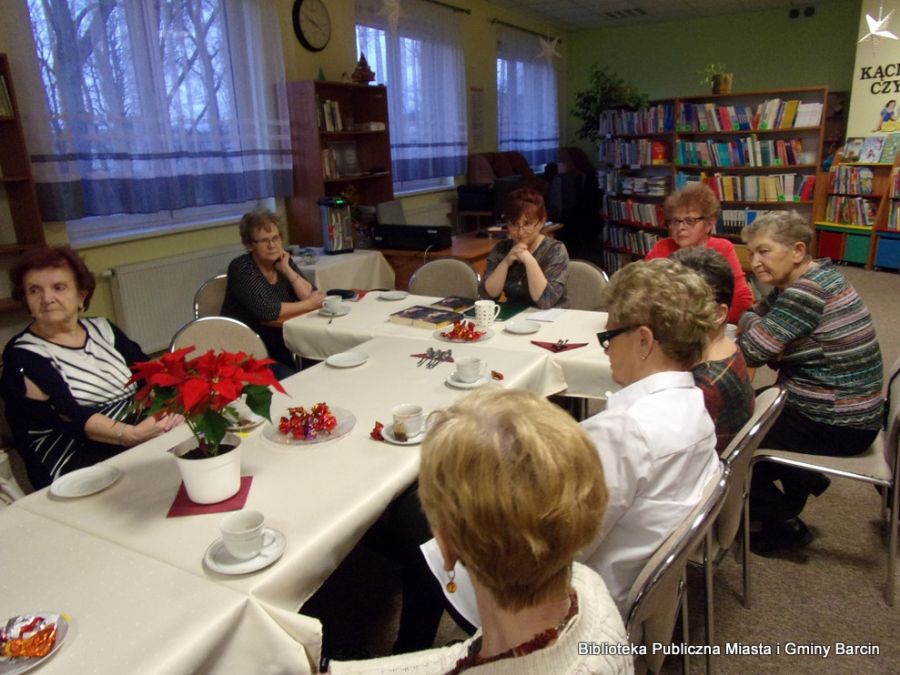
[[209, 297], [586, 286], [445, 277], [219, 333], [878, 465], [658, 592]]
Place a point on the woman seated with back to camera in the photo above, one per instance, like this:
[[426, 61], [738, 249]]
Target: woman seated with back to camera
[[518, 542], [691, 214], [815, 330], [529, 267], [65, 378], [264, 284], [721, 373]]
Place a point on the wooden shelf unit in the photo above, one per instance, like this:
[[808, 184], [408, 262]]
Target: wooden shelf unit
[[673, 133], [358, 104], [17, 182]]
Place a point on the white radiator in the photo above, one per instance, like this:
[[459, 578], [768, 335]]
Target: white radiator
[[153, 299]]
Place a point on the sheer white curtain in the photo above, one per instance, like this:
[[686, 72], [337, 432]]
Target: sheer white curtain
[[149, 106], [527, 111], [422, 66]]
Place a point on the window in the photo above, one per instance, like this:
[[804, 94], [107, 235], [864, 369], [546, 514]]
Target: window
[[166, 108], [527, 104], [421, 64]]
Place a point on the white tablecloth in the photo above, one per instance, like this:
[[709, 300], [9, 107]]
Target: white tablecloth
[[359, 269], [323, 497], [586, 371]]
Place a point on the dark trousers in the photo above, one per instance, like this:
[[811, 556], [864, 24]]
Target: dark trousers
[[795, 431]]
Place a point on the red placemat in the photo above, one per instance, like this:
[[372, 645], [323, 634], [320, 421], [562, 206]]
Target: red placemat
[[553, 348], [183, 506]]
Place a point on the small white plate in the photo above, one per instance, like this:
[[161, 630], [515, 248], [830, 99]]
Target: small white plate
[[488, 334], [522, 327], [459, 384], [218, 559], [23, 665], [347, 359], [344, 309], [388, 434], [393, 295], [84, 482]]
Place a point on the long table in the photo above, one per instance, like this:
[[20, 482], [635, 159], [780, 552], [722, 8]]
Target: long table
[[586, 371], [119, 544]]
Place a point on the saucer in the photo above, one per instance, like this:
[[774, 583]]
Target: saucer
[[393, 295], [522, 327], [218, 559], [84, 482], [388, 434], [347, 359], [343, 310], [459, 384]]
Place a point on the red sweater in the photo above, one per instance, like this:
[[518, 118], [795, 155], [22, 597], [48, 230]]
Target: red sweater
[[742, 299]]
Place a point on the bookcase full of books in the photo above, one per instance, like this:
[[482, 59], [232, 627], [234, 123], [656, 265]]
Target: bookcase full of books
[[758, 151], [340, 142]]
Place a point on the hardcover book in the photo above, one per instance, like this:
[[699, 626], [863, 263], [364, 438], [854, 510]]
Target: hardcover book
[[454, 303], [871, 149], [421, 316], [890, 149], [852, 148]]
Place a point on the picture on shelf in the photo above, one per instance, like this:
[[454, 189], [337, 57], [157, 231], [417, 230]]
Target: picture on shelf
[[345, 157]]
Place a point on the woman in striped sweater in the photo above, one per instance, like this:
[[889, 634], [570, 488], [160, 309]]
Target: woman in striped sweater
[[815, 330], [65, 379]]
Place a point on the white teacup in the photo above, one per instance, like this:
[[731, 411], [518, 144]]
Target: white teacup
[[332, 303], [470, 369], [486, 312], [409, 419], [243, 534]]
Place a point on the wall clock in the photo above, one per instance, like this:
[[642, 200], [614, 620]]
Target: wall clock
[[312, 24]]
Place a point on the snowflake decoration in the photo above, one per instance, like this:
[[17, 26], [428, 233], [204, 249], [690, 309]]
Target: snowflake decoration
[[878, 28], [548, 49]]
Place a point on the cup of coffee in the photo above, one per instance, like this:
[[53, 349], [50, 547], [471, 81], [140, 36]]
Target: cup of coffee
[[486, 312], [409, 421], [243, 534], [332, 303], [470, 369]]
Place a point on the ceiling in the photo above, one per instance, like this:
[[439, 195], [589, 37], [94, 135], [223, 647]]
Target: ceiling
[[583, 14]]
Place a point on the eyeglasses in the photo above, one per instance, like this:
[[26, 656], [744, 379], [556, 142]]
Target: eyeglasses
[[268, 241], [522, 226], [690, 221], [607, 336]]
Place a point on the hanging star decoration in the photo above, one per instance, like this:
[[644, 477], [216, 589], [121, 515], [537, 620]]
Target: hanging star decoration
[[878, 28], [548, 49], [391, 9]]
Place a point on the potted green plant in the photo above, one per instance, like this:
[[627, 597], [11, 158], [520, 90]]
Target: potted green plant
[[717, 77], [203, 390], [605, 90]]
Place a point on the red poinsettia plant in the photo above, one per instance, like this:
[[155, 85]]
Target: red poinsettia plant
[[201, 389]]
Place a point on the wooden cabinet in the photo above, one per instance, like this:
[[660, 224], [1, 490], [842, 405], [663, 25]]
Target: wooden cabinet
[[758, 151], [340, 142], [24, 216]]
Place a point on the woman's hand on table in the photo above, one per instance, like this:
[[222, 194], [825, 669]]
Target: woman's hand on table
[[315, 299]]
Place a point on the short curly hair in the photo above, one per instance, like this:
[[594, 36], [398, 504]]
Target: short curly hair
[[524, 202], [693, 196], [516, 486], [258, 219], [45, 257], [785, 227], [669, 299]]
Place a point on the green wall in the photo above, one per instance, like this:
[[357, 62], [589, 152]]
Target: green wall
[[764, 50]]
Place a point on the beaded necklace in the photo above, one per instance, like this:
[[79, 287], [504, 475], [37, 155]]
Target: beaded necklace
[[473, 657]]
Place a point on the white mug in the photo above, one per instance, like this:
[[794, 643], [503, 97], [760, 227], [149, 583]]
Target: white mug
[[332, 303], [243, 535], [486, 312], [470, 369], [409, 420]]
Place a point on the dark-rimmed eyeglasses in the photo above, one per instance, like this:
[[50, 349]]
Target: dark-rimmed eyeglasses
[[523, 226], [607, 336], [690, 221], [268, 241]]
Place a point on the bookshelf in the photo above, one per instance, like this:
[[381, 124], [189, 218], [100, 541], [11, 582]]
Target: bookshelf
[[341, 145], [758, 151], [20, 220], [856, 220]]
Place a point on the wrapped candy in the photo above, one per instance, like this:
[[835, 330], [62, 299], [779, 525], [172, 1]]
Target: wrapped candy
[[376, 432], [308, 424], [463, 331], [28, 636]]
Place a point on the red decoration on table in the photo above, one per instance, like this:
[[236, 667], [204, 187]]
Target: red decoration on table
[[553, 347], [183, 506], [308, 424], [463, 331], [376, 432]]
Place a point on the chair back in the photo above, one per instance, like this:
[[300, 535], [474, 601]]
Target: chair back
[[586, 286], [209, 297], [737, 456], [219, 333], [656, 593], [892, 421], [445, 277]]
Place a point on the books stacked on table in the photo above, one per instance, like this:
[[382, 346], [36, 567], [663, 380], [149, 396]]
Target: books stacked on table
[[454, 303], [422, 316]]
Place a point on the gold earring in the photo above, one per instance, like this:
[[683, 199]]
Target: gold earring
[[451, 585]]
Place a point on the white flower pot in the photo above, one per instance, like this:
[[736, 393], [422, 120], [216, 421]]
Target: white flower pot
[[210, 480]]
